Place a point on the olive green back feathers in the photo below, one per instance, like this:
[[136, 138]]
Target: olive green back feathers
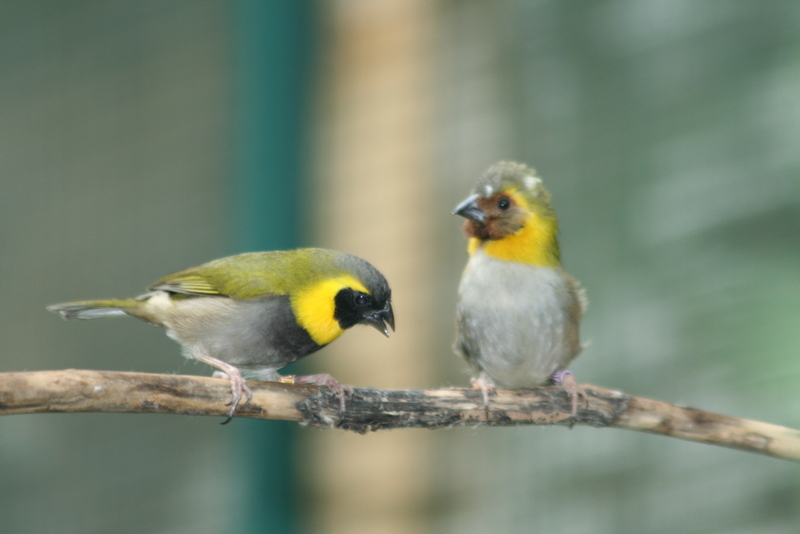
[[260, 275]]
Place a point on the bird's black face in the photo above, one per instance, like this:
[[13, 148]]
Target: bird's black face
[[354, 307]]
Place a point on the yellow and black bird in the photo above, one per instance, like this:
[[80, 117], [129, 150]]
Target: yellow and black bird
[[518, 310], [257, 312]]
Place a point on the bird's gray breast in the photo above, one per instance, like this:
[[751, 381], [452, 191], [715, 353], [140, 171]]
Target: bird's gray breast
[[256, 336], [516, 322]]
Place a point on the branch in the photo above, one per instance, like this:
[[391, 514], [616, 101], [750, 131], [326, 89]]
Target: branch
[[74, 390]]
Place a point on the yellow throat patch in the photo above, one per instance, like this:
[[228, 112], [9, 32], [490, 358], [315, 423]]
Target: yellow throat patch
[[314, 307], [533, 244]]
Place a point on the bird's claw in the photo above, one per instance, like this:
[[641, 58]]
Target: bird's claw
[[328, 381], [566, 380], [238, 388], [486, 386]]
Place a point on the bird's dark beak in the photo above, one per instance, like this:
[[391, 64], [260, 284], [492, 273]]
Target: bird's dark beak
[[380, 319], [469, 209]]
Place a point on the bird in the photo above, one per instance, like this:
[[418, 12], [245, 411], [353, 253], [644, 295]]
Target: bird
[[518, 311], [257, 312]]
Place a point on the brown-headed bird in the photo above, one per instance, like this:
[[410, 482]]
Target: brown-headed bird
[[518, 310]]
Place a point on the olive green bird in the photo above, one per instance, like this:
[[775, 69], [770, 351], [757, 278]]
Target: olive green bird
[[257, 312], [518, 310]]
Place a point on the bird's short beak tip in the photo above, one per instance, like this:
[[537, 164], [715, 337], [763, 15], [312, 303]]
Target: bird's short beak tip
[[469, 209], [382, 320], [388, 317]]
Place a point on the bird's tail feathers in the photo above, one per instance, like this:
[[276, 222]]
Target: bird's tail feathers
[[94, 309]]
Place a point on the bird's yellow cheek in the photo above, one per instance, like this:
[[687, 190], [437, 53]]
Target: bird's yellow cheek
[[314, 307], [533, 244]]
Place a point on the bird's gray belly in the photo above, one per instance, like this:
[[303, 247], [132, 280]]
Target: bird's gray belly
[[514, 321], [258, 337]]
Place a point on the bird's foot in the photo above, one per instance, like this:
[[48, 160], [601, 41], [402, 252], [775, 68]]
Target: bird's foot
[[238, 389], [238, 386], [566, 380], [486, 385], [323, 379]]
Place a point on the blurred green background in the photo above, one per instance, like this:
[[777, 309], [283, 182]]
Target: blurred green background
[[141, 137]]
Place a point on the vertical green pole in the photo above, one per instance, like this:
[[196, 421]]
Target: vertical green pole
[[273, 60]]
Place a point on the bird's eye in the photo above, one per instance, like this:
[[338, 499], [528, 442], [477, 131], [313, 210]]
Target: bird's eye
[[504, 203], [361, 299]]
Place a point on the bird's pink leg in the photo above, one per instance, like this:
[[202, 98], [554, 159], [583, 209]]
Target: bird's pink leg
[[238, 385], [323, 379], [566, 380], [486, 385]]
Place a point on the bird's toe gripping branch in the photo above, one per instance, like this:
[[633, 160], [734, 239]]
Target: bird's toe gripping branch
[[323, 379], [239, 388], [567, 380]]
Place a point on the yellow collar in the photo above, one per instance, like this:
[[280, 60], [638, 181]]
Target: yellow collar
[[314, 307], [533, 244]]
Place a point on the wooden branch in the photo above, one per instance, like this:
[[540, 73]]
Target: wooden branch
[[74, 390]]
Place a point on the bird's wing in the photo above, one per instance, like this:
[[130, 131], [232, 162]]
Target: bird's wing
[[253, 276], [581, 301], [188, 283]]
